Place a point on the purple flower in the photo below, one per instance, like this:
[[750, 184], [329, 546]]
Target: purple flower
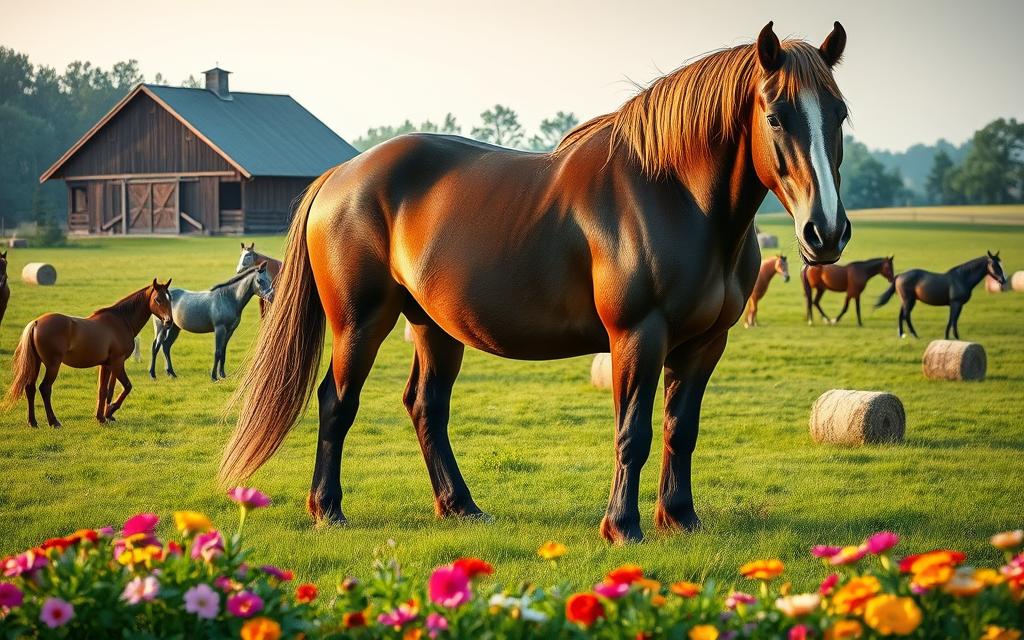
[[449, 586], [436, 623], [10, 596], [140, 589], [202, 601], [881, 542], [612, 591], [245, 604], [824, 551], [208, 545], [56, 612], [24, 563], [140, 523], [249, 498], [284, 575]]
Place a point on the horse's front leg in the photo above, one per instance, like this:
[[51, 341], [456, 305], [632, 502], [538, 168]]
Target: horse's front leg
[[638, 354], [686, 378], [117, 370]]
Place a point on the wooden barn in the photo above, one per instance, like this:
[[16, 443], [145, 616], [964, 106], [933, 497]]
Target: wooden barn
[[171, 160]]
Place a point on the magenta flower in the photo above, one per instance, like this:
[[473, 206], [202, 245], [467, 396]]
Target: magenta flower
[[56, 613], [284, 575], [106, 532], [24, 563], [10, 596], [249, 498], [208, 545], [436, 623], [405, 613], [226, 584], [245, 604], [848, 555], [449, 586], [828, 584], [881, 542], [202, 601], [611, 590], [737, 598], [140, 523], [799, 632], [824, 551]]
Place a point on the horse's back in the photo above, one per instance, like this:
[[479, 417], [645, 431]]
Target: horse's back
[[927, 286], [192, 310], [75, 341]]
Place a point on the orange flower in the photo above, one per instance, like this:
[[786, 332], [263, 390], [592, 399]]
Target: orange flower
[[921, 561], [703, 632], [853, 595], [992, 632], [412, 633], [844, 629], [354, 619], [892, 615], [626, 574], [1008, 540], [646, 584], [583, 609], [306, 592], [551, 550], [261, 629], [762, 569], [932, 576], [685, 589], [658, 600], [474, 567]]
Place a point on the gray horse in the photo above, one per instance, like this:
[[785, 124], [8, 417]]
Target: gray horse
[[218, 310]]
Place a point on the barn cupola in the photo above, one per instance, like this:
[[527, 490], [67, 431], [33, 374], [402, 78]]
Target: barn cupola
[[217, 82]]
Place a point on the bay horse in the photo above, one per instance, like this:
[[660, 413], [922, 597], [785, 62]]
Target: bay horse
[[952, 289], [850, 279], [217, 311], [632, 237], [769, 267], [5, 288], [249, 258], [105, 339]]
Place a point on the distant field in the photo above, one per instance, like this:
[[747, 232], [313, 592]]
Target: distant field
[[535, 439], [1010, 214]]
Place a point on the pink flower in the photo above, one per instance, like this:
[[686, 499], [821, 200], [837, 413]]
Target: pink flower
[[140, 589], [56, 613], [226, 584], [737, 598], [824, 551], [436, 623], [249, 498], [449, 586], [245, 604], [202, 601], [24, 563], [799, 632], [140, 523], [208, 545], [881, 542], [848, 555], [828, 584], [10, 596], [612, 591], [284, 575], [406, 612]]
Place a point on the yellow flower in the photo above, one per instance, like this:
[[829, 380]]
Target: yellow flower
[[1008, 540], [798, 605], [190, 523], [992, 632], [703, 632], [892, 615], [853, 595], [964, 583], [143, 555], [844, 629], [261, 629], [551, 550], [990, 577], [762, 569]]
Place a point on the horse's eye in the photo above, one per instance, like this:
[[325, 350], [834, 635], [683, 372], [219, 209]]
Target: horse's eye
[[774, 122]]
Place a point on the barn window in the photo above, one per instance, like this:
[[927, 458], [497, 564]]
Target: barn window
[[230, 196], [79, 200]]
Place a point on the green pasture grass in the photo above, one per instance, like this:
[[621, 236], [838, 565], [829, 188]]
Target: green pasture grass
[[534, 439]]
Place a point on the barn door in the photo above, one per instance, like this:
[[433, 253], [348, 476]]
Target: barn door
[[165, 207], [140, 207]]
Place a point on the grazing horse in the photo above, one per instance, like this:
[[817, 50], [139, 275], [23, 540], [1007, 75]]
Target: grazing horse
[[250, 258], [5, 288], [632, 237], [952, 288], [216, 311], [104, 339], [769, 267], [849, 278]]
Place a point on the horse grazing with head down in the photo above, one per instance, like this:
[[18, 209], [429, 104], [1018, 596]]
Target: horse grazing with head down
[[850, 279], [105, 339], [632, 237], [769, 267]]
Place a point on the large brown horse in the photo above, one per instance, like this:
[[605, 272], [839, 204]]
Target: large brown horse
[[105, 339], [5, 288], [769, 267], [850, 279], [632, 237]]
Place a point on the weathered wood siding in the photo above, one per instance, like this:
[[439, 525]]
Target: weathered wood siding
[[269, 203]]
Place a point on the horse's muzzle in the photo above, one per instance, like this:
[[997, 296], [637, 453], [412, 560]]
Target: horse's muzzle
[[821, 245]]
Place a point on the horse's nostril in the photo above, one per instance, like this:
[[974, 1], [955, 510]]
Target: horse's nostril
[[847, 234], [812, 237]]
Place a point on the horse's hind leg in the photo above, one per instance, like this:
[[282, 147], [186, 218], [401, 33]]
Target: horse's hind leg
[[46, 389], [219, 341], [101, 393], [857, 307], [117, 370], [30, 395], [427, 398], [909, 306]]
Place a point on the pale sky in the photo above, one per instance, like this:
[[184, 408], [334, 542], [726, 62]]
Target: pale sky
[[915, 70]]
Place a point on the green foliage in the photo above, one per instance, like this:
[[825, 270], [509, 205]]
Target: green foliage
[[376, 135], [866, 183], [993, 171], [500, 126], [939, 186], [552, 130]]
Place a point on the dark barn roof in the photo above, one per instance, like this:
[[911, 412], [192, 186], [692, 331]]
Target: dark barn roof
[[259, 134]]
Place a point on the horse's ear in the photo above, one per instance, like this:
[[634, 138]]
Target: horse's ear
[[834, 45], [3, 255], [769, 49], [167, 285], [243, 246], [990, 254], [155, 285], [252, 246]]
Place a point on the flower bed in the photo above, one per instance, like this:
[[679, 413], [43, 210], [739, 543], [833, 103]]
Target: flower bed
[[102, 583]]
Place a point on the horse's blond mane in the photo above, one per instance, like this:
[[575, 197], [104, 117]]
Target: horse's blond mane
[[683, 115]]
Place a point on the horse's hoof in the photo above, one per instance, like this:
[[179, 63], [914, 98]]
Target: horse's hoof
[[621, 534], [152, 374], [33, 424], [171, 374], [56, 425], [686, 521]]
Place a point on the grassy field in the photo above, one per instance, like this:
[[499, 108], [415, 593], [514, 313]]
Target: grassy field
[[534, 439]]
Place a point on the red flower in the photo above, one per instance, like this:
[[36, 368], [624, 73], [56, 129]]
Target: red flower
[[799, 632], [583, 608], [354, 619], [828, 584], [626, 574], [306, 592], [474, 567], [173, 548]]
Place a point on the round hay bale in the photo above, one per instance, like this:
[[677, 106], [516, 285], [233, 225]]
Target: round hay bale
[[843, 416], [1017, 281], [39, 273], [767, 241], [601, 371], [408, 332], [954, 360], [992, 285]]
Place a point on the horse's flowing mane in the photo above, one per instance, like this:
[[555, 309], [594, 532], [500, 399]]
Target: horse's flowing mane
[[235, 278], [682, 116], [128, 306]]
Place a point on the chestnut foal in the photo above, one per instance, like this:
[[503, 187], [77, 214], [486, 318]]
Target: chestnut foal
[[769, 267]]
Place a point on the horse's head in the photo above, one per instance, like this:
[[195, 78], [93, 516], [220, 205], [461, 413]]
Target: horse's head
[[248, 257], [797, 138], [782, 267], [888, 268], [263, 284], [160, 300], [994, 267]]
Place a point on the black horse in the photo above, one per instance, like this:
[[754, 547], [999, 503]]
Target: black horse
[[952, 288]]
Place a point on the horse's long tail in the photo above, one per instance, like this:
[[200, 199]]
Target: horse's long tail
[[885, 297], [25, 364], [279, 380]]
